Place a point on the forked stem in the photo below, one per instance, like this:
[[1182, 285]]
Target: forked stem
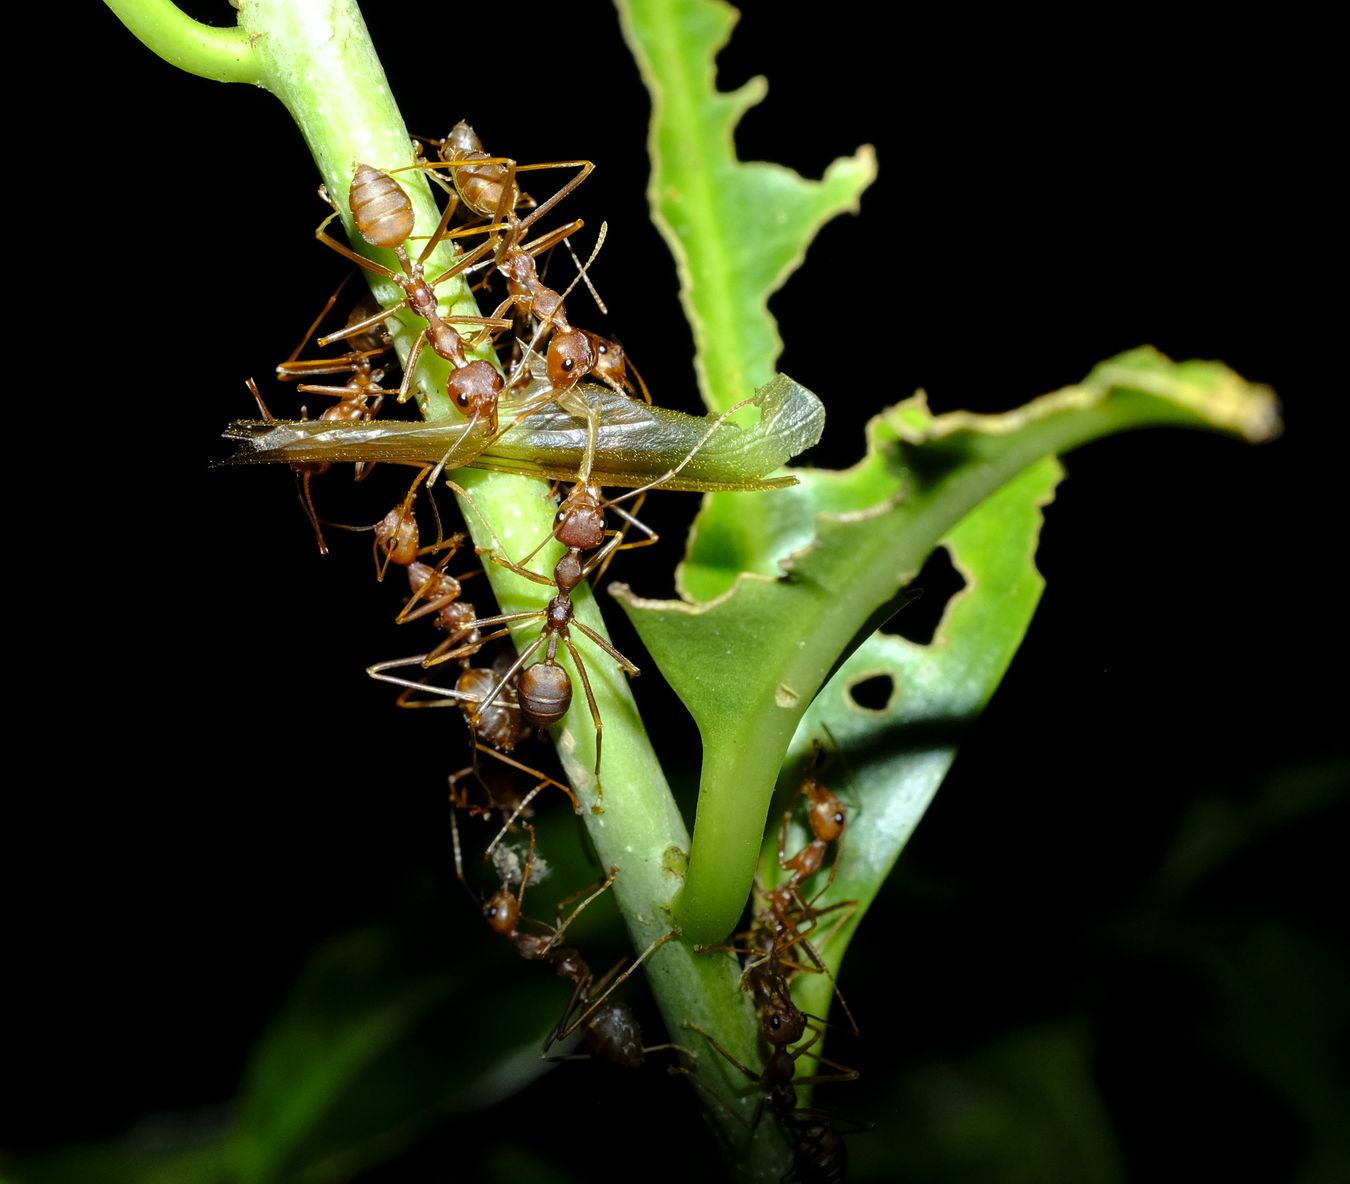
[[316, 57]]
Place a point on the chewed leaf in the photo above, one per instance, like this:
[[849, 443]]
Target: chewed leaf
[[777, 631], [737, 230], [636, 442], [908, 442], [891, 758]]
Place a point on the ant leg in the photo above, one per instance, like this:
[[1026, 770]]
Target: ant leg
[[576, 912], [544, 782], [595, 713], [623, 662], [606, 988]]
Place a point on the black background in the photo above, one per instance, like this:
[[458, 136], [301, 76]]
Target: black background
[[223, 786]]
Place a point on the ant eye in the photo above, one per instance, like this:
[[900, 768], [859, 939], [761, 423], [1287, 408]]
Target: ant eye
[[462, 400], [776, 1022], [569, 365]]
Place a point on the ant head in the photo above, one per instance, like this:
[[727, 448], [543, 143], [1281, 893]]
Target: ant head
[[502, 912], [517, 266], [610, 366], [571, 356], [474, 389], [781, 1021], [827, 813], [395, 539], [580, 522]]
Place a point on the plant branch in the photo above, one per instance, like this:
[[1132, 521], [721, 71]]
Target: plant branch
[[316, 57], [223, 55]]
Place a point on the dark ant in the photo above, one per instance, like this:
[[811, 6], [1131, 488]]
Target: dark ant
[[608, 1026], [366, 344], [818, 1150]]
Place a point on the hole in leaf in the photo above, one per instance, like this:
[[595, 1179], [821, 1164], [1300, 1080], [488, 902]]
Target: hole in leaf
[[873, 694], [940, 581]]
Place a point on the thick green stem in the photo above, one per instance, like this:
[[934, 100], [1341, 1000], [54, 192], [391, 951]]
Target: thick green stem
[[316, 57]]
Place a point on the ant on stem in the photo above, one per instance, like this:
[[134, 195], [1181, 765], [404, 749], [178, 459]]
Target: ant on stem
[[383, 216]]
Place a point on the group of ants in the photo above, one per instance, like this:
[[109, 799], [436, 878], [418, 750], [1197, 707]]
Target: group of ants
[[514, 699]]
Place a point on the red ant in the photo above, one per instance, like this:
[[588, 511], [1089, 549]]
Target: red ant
[[383, 216], [544, 690], [502, 911], [486, 184], [497, 727]]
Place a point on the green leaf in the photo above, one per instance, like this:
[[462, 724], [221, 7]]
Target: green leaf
[[190, 1155], [1024, 1110], [356, 1063], [894, 758], [748, 663], [737, 231]]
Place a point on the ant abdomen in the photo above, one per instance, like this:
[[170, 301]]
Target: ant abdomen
[[381, 210], [497, 724], [544, 693], [613, 1034], [481, 186]]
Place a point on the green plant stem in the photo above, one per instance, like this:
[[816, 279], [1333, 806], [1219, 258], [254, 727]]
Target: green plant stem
[[223, 55], [316, 57]]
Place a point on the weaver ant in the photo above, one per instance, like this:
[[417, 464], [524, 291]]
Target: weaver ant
[[398, 539], [818, 1150], [502, 911], [487, 185], [608, 1025], [487, 697], [544, 690], [383, 216]]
